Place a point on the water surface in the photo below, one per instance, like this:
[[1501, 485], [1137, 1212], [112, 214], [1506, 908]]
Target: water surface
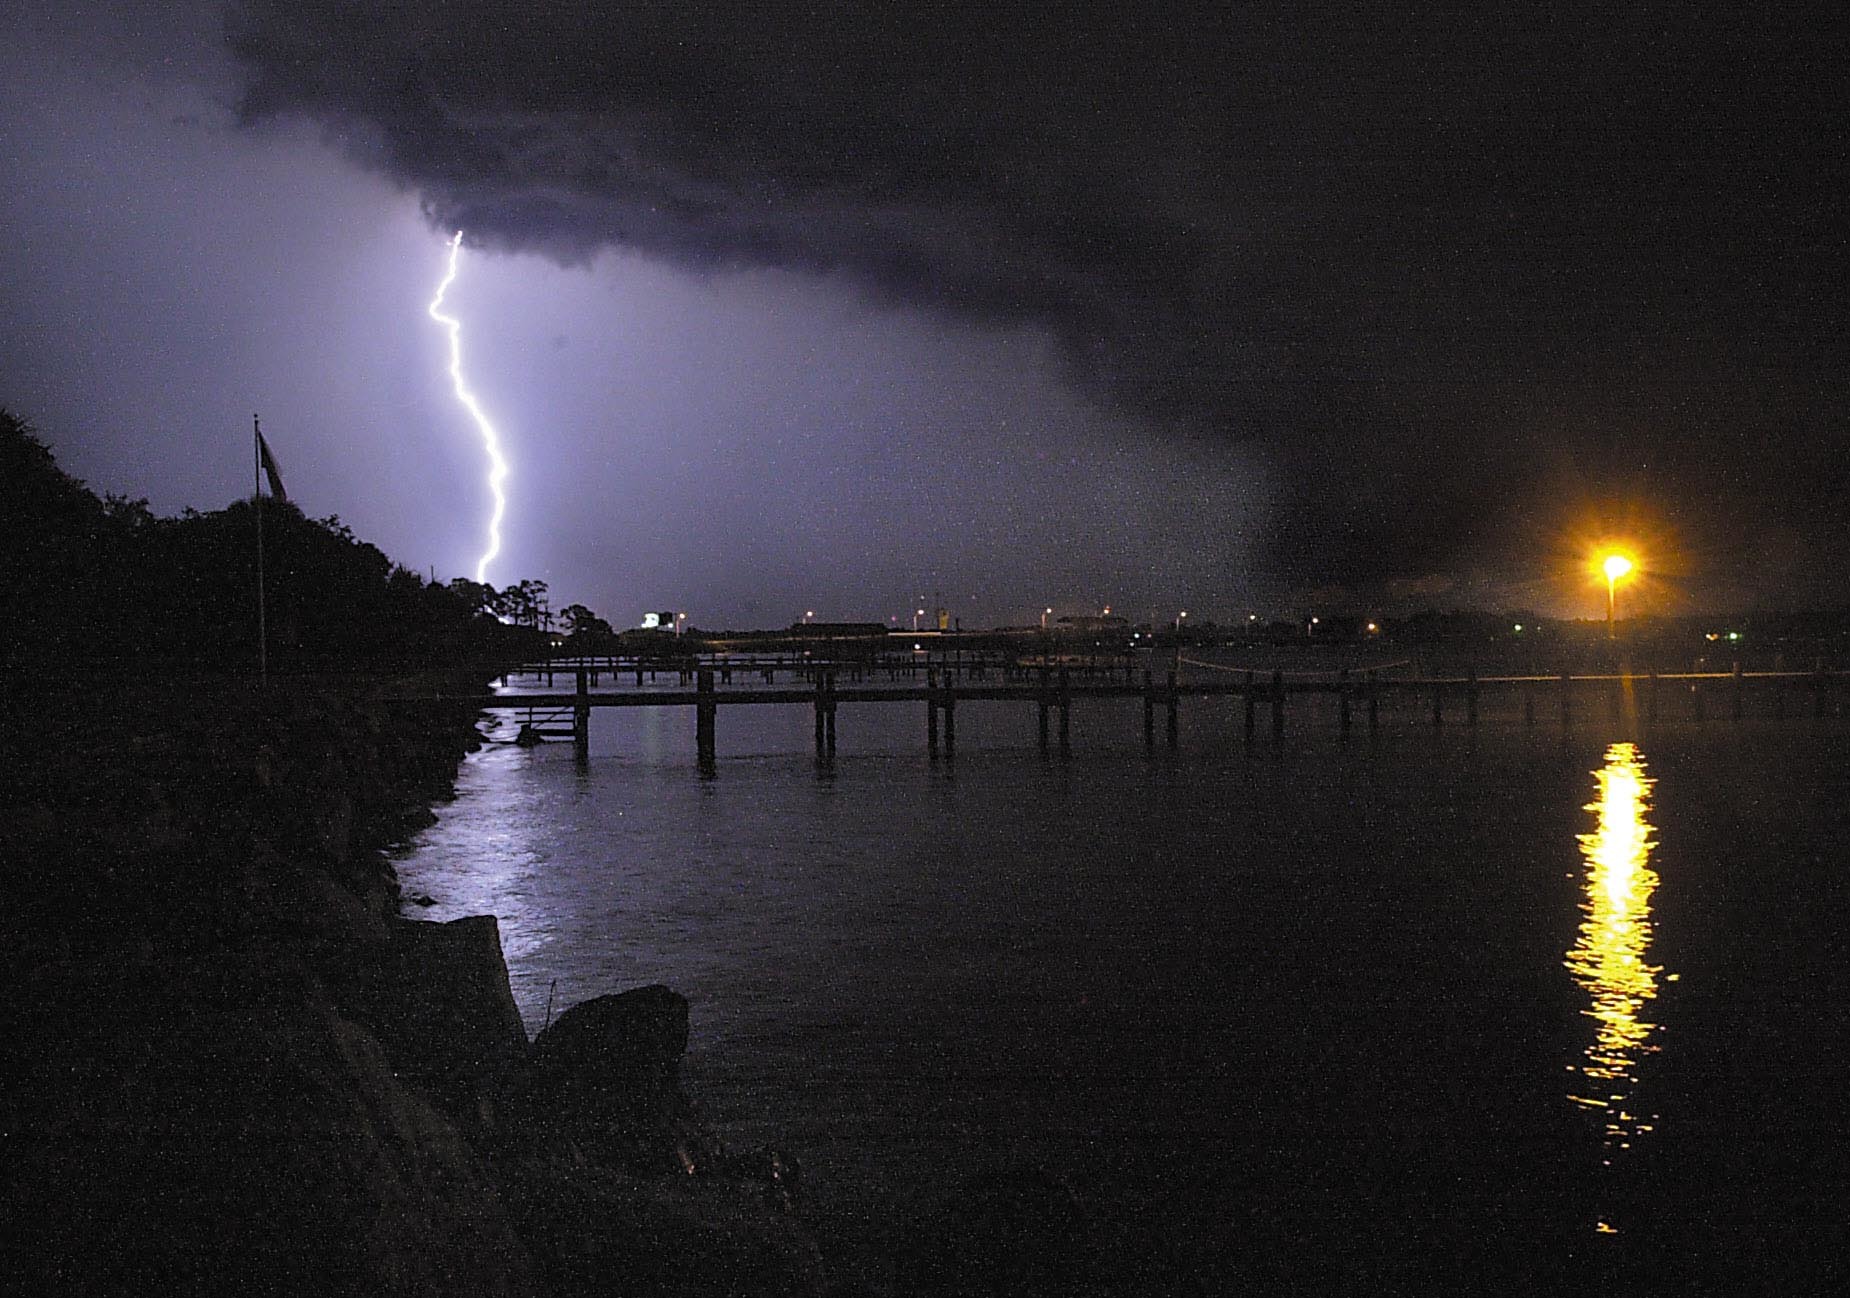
[[1449, 1007]]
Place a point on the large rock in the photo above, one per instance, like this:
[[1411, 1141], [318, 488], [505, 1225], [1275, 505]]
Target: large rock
[[592, 1230], [447, 1015], [627, 1040], [1021, 1232], [241, 1135], [606, 1079], [269, 895]]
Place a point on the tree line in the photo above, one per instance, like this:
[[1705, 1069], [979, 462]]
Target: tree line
[[89, 577]]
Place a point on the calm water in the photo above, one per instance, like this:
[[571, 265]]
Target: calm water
[[1437, 1010]]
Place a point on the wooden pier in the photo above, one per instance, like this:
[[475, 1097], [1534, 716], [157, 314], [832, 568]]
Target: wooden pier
[[1563, 700]]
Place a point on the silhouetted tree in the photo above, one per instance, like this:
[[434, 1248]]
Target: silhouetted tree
[[524, 604], [585, 631], [81, 576], [477, 595]]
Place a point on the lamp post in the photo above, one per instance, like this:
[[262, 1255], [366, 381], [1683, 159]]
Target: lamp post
[[1614, 566], [1044, 613]]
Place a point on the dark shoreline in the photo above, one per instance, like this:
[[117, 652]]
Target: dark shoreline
[[237, 1064]]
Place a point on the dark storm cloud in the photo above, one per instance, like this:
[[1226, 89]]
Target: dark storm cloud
[[1426, 259]]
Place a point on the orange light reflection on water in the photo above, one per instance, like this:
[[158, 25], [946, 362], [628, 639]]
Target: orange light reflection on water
[[1609, 958]]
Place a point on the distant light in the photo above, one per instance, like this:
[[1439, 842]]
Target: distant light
[[1372, 628], [1712, 636], [1519, 628], [1615, 566], [1734, 635], [1315, 620]]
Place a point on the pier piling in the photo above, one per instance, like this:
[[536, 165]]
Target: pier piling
[[1173, 700], [1149, 713], [828, 686], [1043, 701], [950, 717], [581, 719], [931, 711], [822, 749], [704, 714], [1066, 713]]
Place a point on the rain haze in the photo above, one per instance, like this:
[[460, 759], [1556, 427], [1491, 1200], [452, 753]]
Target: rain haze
[[843, 307]]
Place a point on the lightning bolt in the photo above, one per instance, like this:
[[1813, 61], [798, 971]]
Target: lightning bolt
[[491, 440]]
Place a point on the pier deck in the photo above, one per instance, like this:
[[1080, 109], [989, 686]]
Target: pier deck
[[1357, 696]]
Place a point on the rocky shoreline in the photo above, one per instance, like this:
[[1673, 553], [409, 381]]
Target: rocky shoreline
[[236, 1065]]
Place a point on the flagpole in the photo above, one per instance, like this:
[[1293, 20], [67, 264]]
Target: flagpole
[[263, 639]]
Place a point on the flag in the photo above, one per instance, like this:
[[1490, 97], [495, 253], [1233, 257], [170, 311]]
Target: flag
[[274, 474]]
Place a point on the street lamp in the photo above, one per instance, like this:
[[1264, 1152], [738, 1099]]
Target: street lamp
[[1614, 566], [1044, 613]]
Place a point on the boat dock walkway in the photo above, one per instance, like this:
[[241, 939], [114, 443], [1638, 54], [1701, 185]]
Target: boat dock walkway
[[1356, 697]]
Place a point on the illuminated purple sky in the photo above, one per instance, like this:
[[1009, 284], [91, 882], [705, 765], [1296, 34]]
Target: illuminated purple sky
[[829, 310]]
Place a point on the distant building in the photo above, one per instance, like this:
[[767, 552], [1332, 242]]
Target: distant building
[[1089, 624], [838, 630], [658, 621]]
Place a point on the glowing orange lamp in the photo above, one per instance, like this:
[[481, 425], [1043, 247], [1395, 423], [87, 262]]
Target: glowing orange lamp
[[1614, 566]]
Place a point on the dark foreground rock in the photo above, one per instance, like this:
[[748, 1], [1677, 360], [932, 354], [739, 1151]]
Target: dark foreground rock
[[603, 1083], [1020, 1232], [233, 1067], [613, 1173], [596, 1230], [231, 1127]]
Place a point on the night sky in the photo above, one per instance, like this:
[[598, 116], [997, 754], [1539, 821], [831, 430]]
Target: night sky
[[832, 306]]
